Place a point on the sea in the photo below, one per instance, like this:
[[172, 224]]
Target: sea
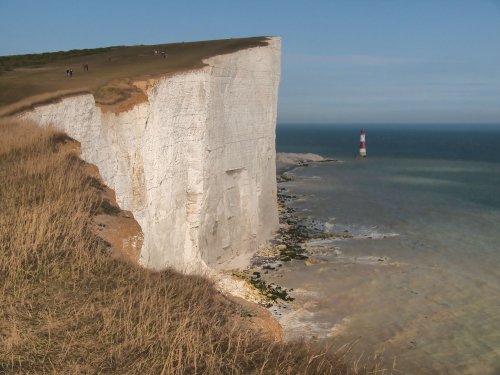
[[414, 273]]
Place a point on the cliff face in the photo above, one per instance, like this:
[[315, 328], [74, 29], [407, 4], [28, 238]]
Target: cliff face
[[195, 163]]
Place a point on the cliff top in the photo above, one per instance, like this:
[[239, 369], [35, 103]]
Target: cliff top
[[111, 76]]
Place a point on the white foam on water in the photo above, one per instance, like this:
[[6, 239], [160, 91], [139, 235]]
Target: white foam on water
[[360, 232], [300, 322], [339, 328], [356, 231], [372, 233], [368, 260], [424, 181]]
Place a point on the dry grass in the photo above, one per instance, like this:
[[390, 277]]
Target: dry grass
[[67, 307]]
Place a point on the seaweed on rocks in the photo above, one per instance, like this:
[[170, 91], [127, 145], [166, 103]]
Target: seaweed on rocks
[[273, 293], [269, 292]]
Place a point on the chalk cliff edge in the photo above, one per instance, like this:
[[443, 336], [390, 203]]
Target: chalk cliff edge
[[195, 163]]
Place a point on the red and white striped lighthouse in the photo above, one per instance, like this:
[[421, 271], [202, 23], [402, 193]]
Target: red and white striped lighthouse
[[362, 144]]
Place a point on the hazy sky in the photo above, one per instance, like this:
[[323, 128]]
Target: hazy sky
[[345, 61]]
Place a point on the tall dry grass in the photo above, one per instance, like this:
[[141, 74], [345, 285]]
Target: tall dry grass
[[66, 307]]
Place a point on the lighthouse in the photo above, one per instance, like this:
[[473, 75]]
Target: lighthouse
[[362, 144]]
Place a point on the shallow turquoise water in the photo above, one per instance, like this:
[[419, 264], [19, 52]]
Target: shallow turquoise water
[[420, 279]]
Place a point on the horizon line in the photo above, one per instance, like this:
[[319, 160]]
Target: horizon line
[[386, 123]]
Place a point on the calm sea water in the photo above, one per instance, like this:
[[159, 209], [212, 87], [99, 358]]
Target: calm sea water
[[420, 278]]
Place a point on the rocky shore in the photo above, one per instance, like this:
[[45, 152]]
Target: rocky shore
[[289, 243]]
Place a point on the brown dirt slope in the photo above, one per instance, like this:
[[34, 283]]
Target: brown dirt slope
[[27, 80]]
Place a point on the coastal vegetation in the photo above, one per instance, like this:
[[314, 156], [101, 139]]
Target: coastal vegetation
[[69, 306]]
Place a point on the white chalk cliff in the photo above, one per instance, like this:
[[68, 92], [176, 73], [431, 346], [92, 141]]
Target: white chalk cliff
[[195, 163]]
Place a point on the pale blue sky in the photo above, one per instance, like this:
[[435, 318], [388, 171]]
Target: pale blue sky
[[399, 61]]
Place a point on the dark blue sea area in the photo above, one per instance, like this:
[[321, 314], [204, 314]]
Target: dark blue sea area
[[452, 142]]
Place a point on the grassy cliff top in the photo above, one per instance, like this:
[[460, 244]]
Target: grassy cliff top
[[27, 80]]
